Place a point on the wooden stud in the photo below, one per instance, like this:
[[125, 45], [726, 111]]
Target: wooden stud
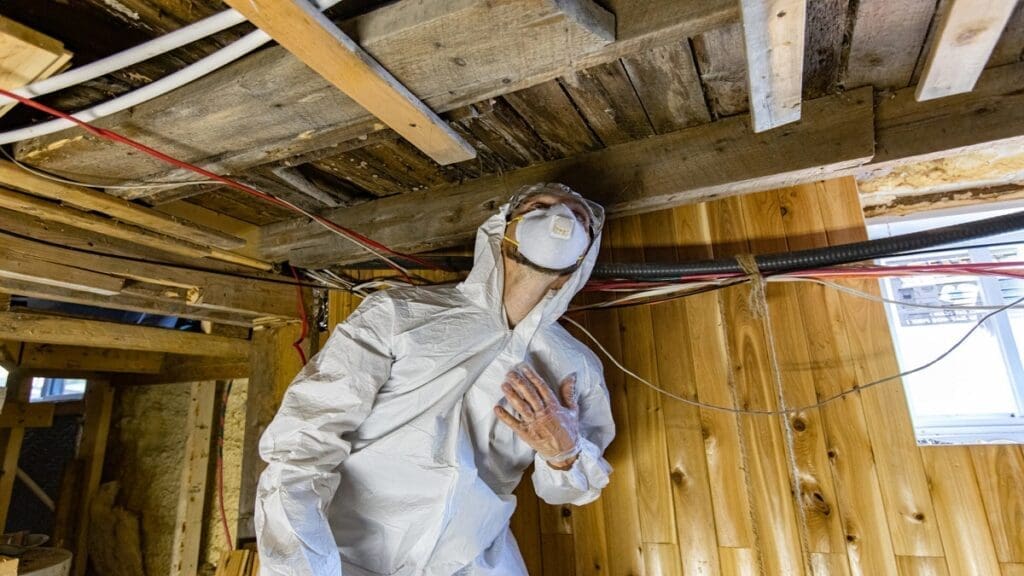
[[76, 332], [99, 402], [774, 38], [967, 35], [91, 200], [189, 515], [318, 43], [10, 450], [21, 415]]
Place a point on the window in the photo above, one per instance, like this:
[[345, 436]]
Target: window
[[3, 377], [976, 394], [57, 389]]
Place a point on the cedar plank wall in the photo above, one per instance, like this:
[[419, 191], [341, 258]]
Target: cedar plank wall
[[698, 492]]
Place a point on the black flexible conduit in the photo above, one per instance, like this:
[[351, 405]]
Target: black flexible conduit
[[789, 261]]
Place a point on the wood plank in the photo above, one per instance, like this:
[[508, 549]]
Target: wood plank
[[740, 562], [1000, 474], [49, 211], [1013, 569], [662, 559], [668, 85], [967, 34], [960, 511], [22, 415], [885, 41], [188, 525], [720, 57], [834, 564], [590, 540], [23, 267], [91, 200], [76, 332], [922, 566], [548, 110], [210, 290], [635, 177], [558, 554], [99, 402], [823, 54], [774, 38], [766, 457], [273, 364], [10, 450], [677, 373], [896, 455], [83, 359], [500, 47], [1010, 47], [555, 519], [646, 417], [28, 56], [605, 97]]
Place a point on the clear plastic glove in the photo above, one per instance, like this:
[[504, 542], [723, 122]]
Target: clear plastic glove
[[550, 425]]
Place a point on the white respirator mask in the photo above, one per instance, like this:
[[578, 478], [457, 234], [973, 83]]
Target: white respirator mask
[[551, 237]]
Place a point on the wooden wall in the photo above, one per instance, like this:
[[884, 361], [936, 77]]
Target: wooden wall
[[700, 492]]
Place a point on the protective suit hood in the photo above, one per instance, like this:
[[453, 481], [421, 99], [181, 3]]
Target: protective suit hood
[[485, 283]]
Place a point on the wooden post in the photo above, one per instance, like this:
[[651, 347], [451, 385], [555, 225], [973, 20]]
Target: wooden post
[[273, 364], [189, 523], [18, 385], [99, 401]]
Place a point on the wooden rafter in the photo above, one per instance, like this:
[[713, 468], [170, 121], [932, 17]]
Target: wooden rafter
[[967, 35], [77, 332], [317, 42], [774, 36]]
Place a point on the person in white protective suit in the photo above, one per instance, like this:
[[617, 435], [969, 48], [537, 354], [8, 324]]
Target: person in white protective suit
[[397, 448]]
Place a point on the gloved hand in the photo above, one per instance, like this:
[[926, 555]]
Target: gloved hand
[[550, 425]]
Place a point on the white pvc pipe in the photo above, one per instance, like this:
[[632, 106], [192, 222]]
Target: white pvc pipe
[[134, 55], [198, 69]]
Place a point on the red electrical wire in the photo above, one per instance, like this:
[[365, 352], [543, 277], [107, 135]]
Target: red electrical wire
[[116, 137], [302, 314]]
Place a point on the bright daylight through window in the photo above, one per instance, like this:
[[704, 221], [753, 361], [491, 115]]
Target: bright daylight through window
[[976, 394]]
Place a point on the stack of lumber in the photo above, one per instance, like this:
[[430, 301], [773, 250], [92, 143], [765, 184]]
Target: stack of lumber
[[244, 562]]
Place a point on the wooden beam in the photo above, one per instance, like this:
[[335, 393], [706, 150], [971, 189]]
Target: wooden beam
[[23, 415], [31, 205], [27, 56], [76, 332], [208, 293], [967, 34], [909, 131], [10, 450], [25, 268], [188, 525], [774, 37], [85, 199], [476, 50], [99, 402], [893, 207], [688, 166], [50, 357], [317, 42], [178, 369]]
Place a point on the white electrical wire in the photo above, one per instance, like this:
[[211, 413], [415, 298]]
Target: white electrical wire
[[190, 73], [834, 397], [869, 296]]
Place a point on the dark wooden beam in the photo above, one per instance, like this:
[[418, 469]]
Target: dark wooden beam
[[691, 165], [273, 106], [70, 359]]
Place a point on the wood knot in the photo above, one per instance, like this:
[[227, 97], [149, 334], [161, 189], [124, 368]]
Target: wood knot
[[566, 512], [799, 424], [918, 517], [678, 476], [851, 538], [831, 454]]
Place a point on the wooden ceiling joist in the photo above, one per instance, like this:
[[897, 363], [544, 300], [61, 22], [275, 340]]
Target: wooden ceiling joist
[[50, 358], [77, 332], [25, 267], [85, 199], [691, 165], [175, 291], [317, 42], [282, 108], [45, 210], [967, 34], [774, 37]]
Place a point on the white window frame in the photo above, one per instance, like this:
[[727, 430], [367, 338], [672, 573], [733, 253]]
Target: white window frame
[[998, 428]]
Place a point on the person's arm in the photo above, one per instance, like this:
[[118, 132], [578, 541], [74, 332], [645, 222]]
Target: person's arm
[[303, 445], [569, 432]]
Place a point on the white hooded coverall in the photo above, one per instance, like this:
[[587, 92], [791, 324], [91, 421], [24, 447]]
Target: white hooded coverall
[[386, 456]]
